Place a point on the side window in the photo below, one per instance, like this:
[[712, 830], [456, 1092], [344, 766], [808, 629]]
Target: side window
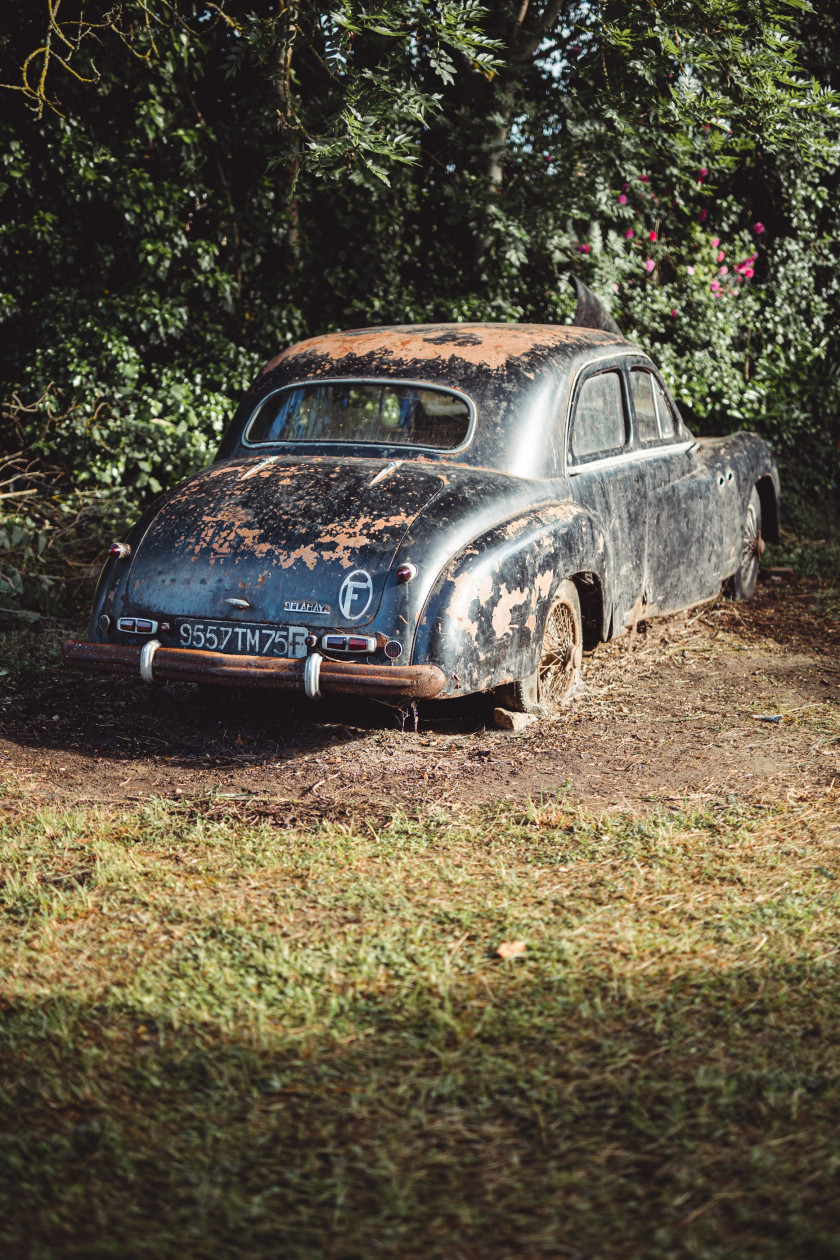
[[667, 424], [598, 427], [644, 405]]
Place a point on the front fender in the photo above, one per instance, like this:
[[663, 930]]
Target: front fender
[[484, 618]]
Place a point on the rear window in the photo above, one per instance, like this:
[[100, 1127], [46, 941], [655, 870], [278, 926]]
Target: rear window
[[362, 412]]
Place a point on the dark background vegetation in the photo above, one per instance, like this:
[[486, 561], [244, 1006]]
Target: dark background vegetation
[[188, 187]]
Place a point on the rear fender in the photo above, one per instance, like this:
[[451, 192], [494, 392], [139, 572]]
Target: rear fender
[[484, 618]]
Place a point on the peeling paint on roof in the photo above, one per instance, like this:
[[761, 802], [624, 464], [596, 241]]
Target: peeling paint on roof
[[484, 345]]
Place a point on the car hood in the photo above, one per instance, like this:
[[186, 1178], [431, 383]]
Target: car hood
[[304, 540]]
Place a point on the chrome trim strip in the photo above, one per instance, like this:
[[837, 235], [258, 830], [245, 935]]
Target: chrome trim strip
[[365, 380], [613, 461]]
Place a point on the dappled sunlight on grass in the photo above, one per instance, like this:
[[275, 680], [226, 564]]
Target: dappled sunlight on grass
[[238, 1039]]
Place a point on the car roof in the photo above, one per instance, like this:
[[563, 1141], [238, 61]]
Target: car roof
[[517, 376], [412, 349]]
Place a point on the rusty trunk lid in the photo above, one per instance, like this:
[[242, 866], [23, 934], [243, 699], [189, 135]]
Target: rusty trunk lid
[[307, 540]]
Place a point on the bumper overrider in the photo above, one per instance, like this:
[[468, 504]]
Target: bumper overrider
[[313, 674]]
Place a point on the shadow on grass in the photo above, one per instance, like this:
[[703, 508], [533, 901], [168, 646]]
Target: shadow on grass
[[699, 1119], [49, 706]]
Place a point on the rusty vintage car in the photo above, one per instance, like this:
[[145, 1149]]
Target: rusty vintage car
[[433, 511]]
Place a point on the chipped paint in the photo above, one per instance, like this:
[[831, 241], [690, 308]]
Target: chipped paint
[[485, 345], [503, 612]]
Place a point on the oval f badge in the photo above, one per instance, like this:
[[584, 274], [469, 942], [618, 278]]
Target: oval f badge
[[355, 594]]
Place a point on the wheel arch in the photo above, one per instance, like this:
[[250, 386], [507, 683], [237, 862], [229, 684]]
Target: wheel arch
[[592, 607], [484, 618], [769, 499]]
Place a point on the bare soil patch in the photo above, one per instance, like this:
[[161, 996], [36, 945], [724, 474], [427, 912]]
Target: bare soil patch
[[678, 710]]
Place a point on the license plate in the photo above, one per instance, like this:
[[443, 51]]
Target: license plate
[[243, 640]]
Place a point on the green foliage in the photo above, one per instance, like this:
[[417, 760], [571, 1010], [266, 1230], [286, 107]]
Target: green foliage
[[215, 184]]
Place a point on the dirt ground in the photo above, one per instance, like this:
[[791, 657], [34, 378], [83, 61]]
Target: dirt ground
[[678, 711]]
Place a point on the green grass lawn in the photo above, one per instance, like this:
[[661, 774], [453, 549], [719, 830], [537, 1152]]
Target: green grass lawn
[[222, 1037]]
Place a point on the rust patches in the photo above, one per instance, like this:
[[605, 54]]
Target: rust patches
[[307, 554], [466, 590], [542, 586], [503, 612], [484, 587], [484, 345]]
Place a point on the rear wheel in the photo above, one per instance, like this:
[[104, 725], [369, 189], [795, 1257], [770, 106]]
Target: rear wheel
[[555, 678], [752, 545]]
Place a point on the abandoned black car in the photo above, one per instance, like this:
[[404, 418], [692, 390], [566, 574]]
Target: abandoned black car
[[432, 511]]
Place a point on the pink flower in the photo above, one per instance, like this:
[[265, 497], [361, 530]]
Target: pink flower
[[615, 287], [702, 173], [652, 236], [724, 271], [703, 215], [629, 234], [690, 270], [715, 242], [674, 312], [622, 199], [583, 249], [749, 273], [714, 286], [649, 265], [645, 179], [721, 255], [758, 228]]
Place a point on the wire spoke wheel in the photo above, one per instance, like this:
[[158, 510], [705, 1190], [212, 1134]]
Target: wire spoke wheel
[[555, 678], [752, 546], [557, 672]]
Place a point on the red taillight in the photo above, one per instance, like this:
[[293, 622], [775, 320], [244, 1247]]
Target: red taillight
[[405, 572], [137, 625], [121, 551], [348, 643]]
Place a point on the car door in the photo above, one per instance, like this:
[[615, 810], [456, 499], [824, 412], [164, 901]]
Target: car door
[[606, 479], [684, 520]]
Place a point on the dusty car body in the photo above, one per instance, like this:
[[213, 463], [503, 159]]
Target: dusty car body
[[522, 493]]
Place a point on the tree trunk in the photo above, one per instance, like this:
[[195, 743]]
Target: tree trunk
[[288, 126]]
